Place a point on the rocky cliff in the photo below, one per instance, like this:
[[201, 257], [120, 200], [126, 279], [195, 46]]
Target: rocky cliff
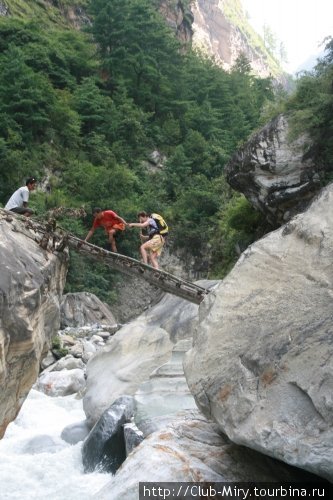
[[221, 29], [179, 17], [274, 172], [262, 361], [31, 283]]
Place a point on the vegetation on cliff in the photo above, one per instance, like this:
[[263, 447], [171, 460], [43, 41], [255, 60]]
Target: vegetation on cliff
[[311, 107], [87, 108]]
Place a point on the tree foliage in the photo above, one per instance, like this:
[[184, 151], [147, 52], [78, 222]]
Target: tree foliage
[[89, 107], [310, 108]]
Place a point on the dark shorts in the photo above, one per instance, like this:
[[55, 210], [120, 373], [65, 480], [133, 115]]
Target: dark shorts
[[21, 210]]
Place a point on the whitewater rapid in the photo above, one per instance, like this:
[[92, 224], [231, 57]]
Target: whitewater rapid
[[45, 476]]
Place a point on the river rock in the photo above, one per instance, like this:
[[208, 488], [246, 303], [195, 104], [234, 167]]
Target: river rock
[[76, 432], [191, 449], [48, 361], [262, 361], [132, 354], [31, 282], [61, 383], [132, 436], [84, 308], [66, 363], [135, 351], [105, 447]]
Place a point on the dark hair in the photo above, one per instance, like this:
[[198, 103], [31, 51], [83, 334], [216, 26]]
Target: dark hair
[[96, 210], [142, 214], [31, 180]]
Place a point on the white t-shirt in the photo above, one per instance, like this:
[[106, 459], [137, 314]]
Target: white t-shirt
[[17, 199]]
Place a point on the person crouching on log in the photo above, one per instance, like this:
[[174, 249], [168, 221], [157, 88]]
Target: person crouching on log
[[111, 222], [153, 242]]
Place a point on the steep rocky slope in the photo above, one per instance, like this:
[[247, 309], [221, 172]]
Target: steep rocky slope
[[31, 282], [221, 29]]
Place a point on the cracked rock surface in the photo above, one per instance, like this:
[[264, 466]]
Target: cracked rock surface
[[31, 282], [274, 172], [262, 361]]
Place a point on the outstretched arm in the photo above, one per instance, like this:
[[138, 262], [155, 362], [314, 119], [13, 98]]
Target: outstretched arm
[[122, 220], [89, 235], [139, 224]]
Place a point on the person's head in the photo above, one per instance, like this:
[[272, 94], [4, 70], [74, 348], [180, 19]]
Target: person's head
[[97, 212], [142, 217], [31, 183]]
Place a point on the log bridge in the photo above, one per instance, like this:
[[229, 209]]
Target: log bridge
[[53, 238]]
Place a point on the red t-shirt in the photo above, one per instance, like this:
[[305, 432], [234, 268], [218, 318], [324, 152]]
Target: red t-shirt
[[109, 220]]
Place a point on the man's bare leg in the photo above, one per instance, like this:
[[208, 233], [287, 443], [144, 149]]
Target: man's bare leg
[[112, 240]]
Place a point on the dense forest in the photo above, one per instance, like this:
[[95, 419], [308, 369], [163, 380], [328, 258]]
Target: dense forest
[[84, 111]]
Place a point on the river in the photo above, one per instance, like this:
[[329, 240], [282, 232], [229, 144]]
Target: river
[[49, 475]]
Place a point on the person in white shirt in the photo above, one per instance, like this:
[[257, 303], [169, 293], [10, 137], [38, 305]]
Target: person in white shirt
[[18, 202]]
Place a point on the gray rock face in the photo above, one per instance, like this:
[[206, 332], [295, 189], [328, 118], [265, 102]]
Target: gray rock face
[[61, 383], [84, 308], [216, 35], [191, 449], [262, 361], [273, 173], [135, 351], [133, 437], [31, 282], [4, 11], [179, 17], [166, 391], [76, 432], [131, 355], [105, 447]]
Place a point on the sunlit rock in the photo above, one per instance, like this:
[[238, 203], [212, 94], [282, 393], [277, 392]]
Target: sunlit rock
[[190, 449], [216, 34], [66, 363], [31, 282], [262, 361], [135, 351], [61, 383]]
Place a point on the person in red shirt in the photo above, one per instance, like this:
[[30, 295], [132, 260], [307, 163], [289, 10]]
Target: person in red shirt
[[111, 222]]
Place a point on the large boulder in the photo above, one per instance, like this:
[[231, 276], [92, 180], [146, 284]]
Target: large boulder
[[61, 383], [274, 173], [84, 308], [166, 391], [105, 448], [31, 283], [136, 350], [132, 354], [190, 449], [262, 361]]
